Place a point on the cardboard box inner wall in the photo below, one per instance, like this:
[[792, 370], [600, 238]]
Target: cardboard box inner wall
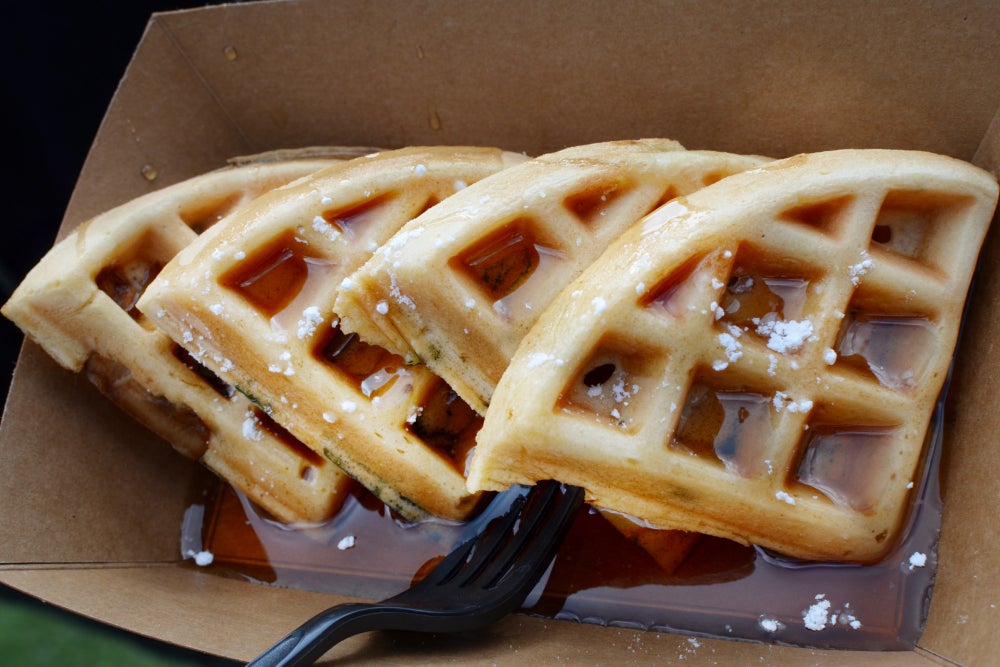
[[93, 504]]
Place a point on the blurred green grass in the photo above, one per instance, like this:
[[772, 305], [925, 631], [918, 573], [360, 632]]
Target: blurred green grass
[[34, 634]]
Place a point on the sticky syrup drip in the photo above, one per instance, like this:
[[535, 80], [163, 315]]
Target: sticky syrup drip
[[713, 587], [727, 425], [694, 584]]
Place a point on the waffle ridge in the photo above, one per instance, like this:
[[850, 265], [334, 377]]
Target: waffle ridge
[[501, 250], [254, 302], [758, 360], [78, 303]]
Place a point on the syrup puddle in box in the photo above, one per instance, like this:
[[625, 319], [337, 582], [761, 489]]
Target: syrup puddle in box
[[720, 589]]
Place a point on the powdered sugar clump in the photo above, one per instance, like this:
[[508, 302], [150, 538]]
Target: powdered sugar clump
[[783, 336], [768, 624], [781, 402], [732, 346], [311, 318], [861, 268], [917, 559], [818, 614], [784, 497], [320, 224], [251, 430], [201, 558], [536, 359]]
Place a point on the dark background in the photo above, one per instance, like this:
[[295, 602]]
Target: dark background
[[61, 65]]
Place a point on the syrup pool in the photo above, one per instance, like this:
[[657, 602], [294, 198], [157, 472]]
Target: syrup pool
[[720, 589]]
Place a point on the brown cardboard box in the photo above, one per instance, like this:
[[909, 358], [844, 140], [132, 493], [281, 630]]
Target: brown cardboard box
[[92, 503]]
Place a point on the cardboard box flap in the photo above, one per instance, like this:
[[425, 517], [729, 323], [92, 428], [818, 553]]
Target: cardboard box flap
[[778, 79], [964, 603], [210, 613], [204, 85], [95, 487]]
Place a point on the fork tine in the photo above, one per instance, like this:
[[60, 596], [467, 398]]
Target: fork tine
[[517, 528], [525, 549], [437, 604], [487, 541]]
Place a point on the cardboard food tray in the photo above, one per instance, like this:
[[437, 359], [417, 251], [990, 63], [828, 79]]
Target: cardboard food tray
[[93, 504]]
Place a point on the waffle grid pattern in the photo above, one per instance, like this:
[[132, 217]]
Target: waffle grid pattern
[[722, 363], [503, 249], [79, 303], [254, 302]]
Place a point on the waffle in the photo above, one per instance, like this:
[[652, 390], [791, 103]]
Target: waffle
[[253, 301], [461, 295], [78, 303], [759, 360]]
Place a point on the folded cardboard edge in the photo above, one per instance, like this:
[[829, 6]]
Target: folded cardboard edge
[[208, 613], [134, 483], [183, 583], [963, 606]]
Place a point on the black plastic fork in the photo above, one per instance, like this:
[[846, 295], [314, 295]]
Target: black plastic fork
[[478, 583]]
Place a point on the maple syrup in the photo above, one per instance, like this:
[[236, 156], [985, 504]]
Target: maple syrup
[[891, 348], [730, 426], [503, 261], [720, 588], [125, 282], [590, 205], [271, 278]]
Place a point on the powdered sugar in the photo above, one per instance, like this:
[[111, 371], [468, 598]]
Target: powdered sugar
[[771, 625], [781, 401], [201, 558], [320, 225], [917, 559], [307, 324], [818, 616], [251, 427], [861, 268], [783, 336], [536, 359], [784, 497]]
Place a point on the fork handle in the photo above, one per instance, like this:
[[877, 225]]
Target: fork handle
[[305, 644]]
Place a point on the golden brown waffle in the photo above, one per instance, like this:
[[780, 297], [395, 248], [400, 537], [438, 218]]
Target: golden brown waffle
[[79, 304], [758, 360], [459, 287], [253, 301]]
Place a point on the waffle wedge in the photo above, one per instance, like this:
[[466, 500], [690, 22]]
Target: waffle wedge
[[460, 286], [253, 301], [758, 360], [78, 303]]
